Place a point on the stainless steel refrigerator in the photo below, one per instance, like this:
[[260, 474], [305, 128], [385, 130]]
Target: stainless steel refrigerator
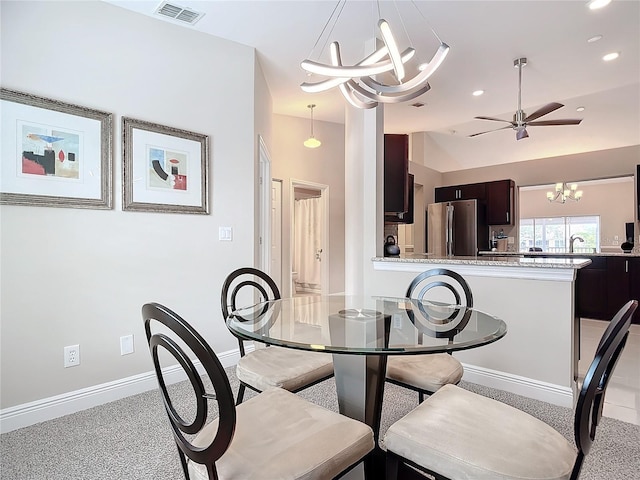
[[457, 228]]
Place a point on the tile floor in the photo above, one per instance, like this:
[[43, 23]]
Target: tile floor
[[622, 400]]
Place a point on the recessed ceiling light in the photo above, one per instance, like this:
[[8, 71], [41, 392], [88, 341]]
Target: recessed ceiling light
[[580, 109], [610, 56], [477, 93], [595, 38], [596, 4]]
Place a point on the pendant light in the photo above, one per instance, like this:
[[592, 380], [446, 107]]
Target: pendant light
[[312, 142]]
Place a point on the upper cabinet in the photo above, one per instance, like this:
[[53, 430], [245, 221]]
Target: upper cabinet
[[396, 174], [499, 198], [460, 192], [497, 195]]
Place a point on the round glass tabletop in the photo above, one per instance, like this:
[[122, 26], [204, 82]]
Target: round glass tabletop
[[366, 325]]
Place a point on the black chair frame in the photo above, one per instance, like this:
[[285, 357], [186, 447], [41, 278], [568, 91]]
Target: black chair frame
[[223, 394], [590, 402], [414, 286], [229, 304]]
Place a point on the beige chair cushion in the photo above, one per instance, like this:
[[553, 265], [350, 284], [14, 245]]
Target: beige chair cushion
[[283, 367], [279, 435], [464, 435], [427, 372]]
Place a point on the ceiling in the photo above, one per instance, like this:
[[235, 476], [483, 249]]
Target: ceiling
[[485, 38]]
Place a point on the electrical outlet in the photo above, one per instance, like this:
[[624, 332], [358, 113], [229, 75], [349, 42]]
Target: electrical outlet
[[71, 356], [126, 345]]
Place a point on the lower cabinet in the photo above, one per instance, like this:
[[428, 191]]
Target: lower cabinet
[[605, 285], [591, 290]]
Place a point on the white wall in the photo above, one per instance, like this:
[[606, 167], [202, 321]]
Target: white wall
[[291, 160], [72, 276], [616, 162], [611, 200]]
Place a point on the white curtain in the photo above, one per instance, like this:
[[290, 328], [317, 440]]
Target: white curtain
[[307, 240]]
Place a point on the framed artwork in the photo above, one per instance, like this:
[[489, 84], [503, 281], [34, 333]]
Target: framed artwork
[[54, 154], [164, 169]]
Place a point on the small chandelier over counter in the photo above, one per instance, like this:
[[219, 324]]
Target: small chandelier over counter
[[564, 192], [356, 82], [312, 142]]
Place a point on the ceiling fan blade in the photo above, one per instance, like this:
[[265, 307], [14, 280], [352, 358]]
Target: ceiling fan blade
[[489, 131], [494, 119], [569, 121], [548, 108]]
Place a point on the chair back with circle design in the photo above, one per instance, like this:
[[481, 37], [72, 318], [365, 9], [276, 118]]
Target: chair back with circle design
[[591, 398], [166, 331], [251, 285], [448, 322], [449, 280]]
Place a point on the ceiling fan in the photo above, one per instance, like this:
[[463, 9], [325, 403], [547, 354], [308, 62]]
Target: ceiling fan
[[521, 120]]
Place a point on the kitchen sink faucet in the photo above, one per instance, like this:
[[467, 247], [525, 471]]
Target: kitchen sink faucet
[[572, 239]]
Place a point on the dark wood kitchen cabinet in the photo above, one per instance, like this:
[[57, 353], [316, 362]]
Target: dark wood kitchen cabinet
[[634, 284], [617, 284], [499, 198], [605, 285], [403, 217], [396, 173], [460, 192], [591, 289], [497, 195]]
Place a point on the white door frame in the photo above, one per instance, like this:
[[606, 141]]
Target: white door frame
[[264, 239], [324, 197], [276, 232]]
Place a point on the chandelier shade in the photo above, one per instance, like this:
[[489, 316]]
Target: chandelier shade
[[564, 192]]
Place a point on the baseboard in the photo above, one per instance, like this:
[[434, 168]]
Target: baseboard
[[31, 413], [527, 387], [53, 407]]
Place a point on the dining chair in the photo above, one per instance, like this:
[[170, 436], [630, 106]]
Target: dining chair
[[275, 434], [456, 433], [427, 373], [293, 370]]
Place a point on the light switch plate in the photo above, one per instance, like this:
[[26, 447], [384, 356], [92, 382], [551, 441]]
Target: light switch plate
[[126, 344], [225, 234]]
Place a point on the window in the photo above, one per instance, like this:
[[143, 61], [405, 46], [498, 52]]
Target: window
[[554, 234]]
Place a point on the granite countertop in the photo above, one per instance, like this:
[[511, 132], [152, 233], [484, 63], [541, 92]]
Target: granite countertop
[[559, 255], [494, 261]]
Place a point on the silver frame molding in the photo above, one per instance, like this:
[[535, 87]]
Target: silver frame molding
[[128, 204], [105, 201]]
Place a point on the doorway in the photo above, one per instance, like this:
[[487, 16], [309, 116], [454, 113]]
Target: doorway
[[264, 200], [309, 238]]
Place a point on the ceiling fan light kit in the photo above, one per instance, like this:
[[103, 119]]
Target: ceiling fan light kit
[[521, 120]]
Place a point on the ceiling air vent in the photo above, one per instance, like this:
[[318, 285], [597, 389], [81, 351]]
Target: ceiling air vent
[[176, 12]]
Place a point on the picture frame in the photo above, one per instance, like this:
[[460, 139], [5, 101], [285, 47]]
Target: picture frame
[[54, 154], [164, 169]]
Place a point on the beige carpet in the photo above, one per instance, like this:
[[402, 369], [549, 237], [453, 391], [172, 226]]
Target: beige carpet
[[130, 439]]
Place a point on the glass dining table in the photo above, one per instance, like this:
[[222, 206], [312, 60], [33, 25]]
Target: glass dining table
[[360, 332]]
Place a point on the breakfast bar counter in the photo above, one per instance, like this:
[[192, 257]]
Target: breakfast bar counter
[[539, 356], [497, 260]]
